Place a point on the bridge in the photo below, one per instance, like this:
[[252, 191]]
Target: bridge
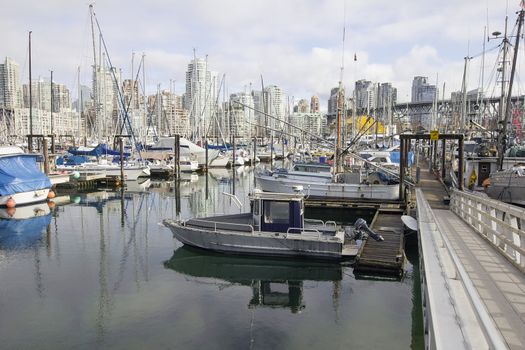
[[472, 269], [483, 111]]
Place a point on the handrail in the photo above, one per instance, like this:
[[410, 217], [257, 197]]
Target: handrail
[[303, 231], [220, 222], [493, 336], [498, 223], [235, 199]]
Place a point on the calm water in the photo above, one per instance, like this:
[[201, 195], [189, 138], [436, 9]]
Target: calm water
[[102, 272]]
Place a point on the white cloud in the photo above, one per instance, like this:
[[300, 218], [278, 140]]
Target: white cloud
[[294, 44]]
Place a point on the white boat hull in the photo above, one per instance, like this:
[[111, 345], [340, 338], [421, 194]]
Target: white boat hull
[[130, 173], [23, 198], [316, 189]]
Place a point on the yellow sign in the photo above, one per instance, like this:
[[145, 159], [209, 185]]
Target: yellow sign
[[434, 135]]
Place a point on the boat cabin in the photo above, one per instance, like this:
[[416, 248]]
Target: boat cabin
[[277, 212]]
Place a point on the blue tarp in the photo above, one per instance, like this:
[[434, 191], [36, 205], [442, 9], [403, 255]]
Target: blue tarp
[[16, 234], [71, 160], [20, 173], [101, 150], [395, 157]]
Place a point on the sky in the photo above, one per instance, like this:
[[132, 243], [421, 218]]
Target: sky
[[295, 44]]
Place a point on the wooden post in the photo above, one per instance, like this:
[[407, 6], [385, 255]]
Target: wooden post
[[121, 145], [52, 144], [282, 145], [46, 156], [177, 152], [234, 154], [174, 171], [434, 155], [402, 155], [271, 152], [207, 159], [443, 151], [460, 165], [254, 149]]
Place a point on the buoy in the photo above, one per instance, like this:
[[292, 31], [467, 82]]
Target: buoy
[[76, 175], [51, 194], [51, 204], [11, 211], [10, 203]]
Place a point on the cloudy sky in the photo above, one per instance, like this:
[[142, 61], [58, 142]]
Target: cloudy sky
[[296, 44]]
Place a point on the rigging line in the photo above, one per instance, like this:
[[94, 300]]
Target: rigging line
[[132, 93], [285, 122], [121, 98]]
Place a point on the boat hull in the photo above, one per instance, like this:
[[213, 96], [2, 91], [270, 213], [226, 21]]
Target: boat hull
[[130, 173], [260, 243], [23, 198], [316, 189]]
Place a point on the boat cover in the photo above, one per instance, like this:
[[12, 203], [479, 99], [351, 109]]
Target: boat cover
[[20, 173], [101, 150], [17, 234]]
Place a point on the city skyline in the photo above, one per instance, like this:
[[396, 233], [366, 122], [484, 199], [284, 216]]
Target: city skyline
[[298, 47]]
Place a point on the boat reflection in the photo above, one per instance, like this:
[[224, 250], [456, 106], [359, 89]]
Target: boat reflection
[[275, 283], [22, 227]]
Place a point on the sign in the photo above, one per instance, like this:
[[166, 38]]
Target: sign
[[434, 135]]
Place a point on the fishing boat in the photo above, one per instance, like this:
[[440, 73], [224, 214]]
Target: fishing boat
[[508, 185], [21, 180], [275, 227], [349, 185]]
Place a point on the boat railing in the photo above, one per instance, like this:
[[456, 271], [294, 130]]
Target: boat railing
[[220, 225], [322, 223], [303, 231]]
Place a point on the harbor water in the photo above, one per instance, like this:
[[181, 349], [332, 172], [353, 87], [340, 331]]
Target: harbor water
[[101, 271]]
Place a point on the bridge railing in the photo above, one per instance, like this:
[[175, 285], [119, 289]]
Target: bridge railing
[[500, 224], [449, 321]]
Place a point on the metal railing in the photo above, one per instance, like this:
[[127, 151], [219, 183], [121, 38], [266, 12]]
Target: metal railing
[[219, 224], [500, 224], [441, 269]]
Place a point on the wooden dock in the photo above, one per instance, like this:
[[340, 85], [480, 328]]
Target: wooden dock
[[384, 257]]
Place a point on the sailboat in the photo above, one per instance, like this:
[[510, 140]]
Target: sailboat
[[508, 185]]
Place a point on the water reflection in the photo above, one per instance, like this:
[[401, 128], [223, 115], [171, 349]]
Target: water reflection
[[275, 283], [23, 227]]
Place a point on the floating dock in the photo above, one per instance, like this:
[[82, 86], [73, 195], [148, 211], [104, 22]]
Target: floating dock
[[383, 257]]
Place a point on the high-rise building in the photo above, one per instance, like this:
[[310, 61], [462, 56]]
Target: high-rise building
[[303, 106], [315, 106], [242, 117], [200, 97], [41, 96], [275, 106], [422, 91], [365, 95], [10, 92], [386, 95]]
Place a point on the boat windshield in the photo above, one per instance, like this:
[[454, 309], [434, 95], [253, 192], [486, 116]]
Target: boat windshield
[[276, 212]]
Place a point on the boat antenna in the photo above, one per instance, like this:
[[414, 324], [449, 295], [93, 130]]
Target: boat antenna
[[340, 101]]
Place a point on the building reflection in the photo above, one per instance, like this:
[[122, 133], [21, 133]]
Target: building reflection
[[275, 283]]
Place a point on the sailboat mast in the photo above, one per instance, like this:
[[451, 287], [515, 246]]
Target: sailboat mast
[[95, 93], [503, 137], [30, 141]]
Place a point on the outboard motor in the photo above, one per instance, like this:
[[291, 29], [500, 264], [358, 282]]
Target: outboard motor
[[360, 231]]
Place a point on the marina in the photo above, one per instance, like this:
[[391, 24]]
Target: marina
[[286, 202]]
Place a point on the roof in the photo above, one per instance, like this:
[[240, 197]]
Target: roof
[[258, 194]]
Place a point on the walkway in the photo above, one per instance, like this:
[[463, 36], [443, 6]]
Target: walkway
[[456, 257]]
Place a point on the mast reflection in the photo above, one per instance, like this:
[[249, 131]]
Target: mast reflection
[[275, 283]]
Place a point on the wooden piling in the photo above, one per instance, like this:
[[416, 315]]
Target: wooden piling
[[46, 156]]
